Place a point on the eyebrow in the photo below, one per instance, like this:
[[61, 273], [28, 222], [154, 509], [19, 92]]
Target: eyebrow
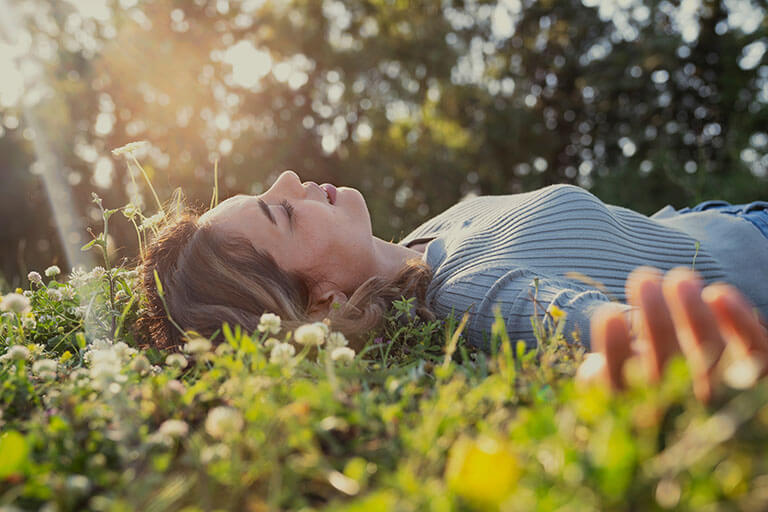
[[266, 211]]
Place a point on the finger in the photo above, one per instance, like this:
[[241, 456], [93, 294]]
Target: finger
[[656, 331], [610, 336], [696, 328], [738, 324]]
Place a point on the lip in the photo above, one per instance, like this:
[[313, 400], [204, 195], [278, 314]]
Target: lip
[[331, 191]]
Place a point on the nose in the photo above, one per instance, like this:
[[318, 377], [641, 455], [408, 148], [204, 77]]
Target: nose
[[287, 184]]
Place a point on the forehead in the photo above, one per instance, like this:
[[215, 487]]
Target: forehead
[[228, 209]]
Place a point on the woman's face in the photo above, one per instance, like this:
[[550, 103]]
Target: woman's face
[[303, 230]]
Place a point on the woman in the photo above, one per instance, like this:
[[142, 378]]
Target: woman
[[306, 252]]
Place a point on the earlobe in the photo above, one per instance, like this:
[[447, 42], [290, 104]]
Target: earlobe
[[325, 302]]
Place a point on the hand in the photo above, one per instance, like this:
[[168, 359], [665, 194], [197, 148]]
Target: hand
[[674, 314]]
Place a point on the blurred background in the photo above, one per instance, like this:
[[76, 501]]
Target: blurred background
[[415, 103]]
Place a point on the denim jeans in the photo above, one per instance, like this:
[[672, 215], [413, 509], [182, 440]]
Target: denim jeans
[[755, 212]]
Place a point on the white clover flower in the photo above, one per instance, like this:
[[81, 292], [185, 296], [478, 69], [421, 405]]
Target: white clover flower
[[67, 292], [18, 353], [55, 295], [310, 334], [106, 365], [324, 327], [45, 368], [197, 346], [28, 294], [80, 278], [176, 360], [78, 484], [130, 148], [336, 340], [343, 354], [281, 353], [271, 343], [123, 351], [269, 322], [15, 303], [174, 428], [223, 421], [35, 277], [52, 271], [153, 221]]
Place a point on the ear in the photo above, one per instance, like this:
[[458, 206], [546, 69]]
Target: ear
[[323, 300]]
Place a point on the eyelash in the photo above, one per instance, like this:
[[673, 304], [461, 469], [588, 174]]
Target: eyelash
[[288, 208]]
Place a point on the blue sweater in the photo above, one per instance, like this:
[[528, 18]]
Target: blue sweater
[[561, 246]]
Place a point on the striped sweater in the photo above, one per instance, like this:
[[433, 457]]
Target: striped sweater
[[560, 246]]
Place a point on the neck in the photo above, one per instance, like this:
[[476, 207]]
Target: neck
[[391, 257]]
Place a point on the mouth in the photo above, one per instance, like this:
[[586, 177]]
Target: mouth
[[330, 192]]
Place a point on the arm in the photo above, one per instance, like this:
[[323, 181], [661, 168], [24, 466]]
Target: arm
[[520, 294]]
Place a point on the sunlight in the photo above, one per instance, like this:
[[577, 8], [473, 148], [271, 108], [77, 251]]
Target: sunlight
[[96, 9], [249, 65], [70, 230], [12, 84]]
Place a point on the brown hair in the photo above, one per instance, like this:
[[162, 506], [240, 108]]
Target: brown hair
[[209, 278]]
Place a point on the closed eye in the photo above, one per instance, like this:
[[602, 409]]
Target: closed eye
[[288, 210]]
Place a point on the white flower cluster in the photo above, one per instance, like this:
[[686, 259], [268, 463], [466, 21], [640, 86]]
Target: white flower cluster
[[52, 271], [269, 322], [45, 368], [79, 277], [153, 221], [316, 334], [173, 429], [130, 148], [35, 277], [311, 334], [15, 303], [222, 422], [176, 360], [106, 360], [16, 353], [281, 353], [198, 346]]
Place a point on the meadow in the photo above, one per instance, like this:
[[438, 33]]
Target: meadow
[[276, 420], [418, 105]]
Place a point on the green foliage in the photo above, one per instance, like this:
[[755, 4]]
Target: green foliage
[[414, 103], [417, 420]]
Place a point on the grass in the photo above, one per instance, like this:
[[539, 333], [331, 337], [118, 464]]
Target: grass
[[417, 420]]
